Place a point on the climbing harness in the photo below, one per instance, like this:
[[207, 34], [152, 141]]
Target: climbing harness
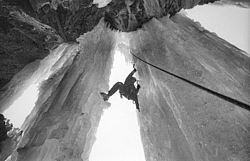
[[221, 96]]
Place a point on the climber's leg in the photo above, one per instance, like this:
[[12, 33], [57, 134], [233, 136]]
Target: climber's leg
[[115, 87]]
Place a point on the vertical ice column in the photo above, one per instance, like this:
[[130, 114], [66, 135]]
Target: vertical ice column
[[69, 106], [28, 83]]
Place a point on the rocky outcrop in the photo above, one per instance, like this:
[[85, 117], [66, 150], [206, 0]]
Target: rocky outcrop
[[8, 146], [73, 18], [23, 40], [179, 121]]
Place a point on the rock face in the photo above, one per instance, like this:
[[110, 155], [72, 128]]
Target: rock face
[[180, 122], [23, 39]]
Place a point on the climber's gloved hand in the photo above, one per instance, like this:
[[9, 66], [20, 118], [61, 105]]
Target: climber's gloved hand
[[134, 67]]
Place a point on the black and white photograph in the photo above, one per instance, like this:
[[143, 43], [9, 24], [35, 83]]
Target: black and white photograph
[[124, 80]]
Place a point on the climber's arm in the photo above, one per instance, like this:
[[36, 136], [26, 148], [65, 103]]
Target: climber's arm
[[131, 74], [137, 104]]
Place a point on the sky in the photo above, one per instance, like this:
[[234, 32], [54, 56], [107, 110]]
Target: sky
[[101, 3], [27, 100], [229, 22]]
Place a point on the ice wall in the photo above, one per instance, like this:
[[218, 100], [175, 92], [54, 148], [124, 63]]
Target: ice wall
[[180, 122], [68, 111]]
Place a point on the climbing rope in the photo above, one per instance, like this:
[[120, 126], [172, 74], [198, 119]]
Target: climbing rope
[[221, 96]]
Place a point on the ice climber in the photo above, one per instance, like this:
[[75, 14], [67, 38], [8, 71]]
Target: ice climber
[[126, 89]]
